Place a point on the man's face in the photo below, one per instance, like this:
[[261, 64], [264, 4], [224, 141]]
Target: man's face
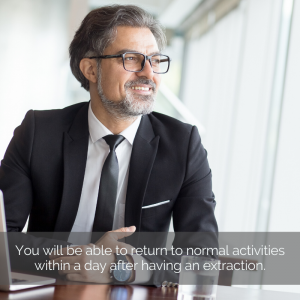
[[120, 90]]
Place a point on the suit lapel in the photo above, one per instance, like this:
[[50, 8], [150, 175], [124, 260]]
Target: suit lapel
[[75, 156], [142, 158]]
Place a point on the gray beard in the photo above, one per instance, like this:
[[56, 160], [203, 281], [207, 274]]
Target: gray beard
[[132, 105]]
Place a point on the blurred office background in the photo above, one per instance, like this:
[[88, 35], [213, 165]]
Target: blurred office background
[[235, 73]]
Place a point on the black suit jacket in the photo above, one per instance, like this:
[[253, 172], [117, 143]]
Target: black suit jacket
[[43, 169]]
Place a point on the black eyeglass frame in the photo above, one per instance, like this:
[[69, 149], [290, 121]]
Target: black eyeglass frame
[[146, 57]]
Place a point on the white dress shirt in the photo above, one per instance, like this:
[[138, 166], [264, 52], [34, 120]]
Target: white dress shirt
[[97, 153], [98, 150]]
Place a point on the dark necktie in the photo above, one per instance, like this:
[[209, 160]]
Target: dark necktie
[[105, 210]]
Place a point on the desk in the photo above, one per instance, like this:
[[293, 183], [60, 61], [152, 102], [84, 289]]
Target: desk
[[106, 292]]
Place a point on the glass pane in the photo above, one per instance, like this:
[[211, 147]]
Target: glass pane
[[133, 61], [160, 63]]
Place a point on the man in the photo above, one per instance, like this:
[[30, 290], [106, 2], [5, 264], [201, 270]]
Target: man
[[110, 163]]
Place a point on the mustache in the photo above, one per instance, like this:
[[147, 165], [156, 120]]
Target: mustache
[[132, 83]]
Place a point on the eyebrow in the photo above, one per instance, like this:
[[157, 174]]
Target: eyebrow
[[132, 50]]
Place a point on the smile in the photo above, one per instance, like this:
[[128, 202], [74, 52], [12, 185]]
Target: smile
[[140, 88]]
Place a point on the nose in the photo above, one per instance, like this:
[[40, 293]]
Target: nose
[[147, 71]]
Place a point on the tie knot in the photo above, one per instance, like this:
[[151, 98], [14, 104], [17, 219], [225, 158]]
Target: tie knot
[[113, 140]]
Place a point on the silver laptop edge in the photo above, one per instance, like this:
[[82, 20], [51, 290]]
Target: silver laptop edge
[[5, 270]]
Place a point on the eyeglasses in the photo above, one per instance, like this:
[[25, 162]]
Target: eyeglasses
[[135, 62]]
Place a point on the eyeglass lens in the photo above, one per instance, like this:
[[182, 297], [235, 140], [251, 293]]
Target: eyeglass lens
[[135, 61]]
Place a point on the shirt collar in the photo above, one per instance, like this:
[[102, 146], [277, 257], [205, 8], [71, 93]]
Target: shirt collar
[[98, 130]]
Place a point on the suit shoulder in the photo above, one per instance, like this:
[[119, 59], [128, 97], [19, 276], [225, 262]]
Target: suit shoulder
[[161, 122], [63, 112], [58, 117]]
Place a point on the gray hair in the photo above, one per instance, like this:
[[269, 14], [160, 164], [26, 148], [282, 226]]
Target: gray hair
[[98, 30]]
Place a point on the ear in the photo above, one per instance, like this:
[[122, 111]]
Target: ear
[[88, 68]]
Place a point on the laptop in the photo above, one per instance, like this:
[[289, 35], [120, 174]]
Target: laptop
[[11, 281]]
